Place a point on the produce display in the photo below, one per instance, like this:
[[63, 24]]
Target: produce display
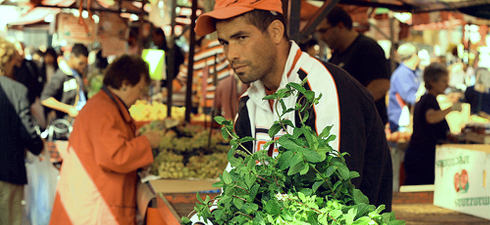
[[143, 110], [188, 151]]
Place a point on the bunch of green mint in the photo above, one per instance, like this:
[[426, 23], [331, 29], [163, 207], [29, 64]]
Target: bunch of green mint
[[307, 183]]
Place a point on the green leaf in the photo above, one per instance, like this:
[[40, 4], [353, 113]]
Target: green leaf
[[286, 142], [359, 197], [272, 207], [250, 180], [283, 105], [330, 171], [297, 87], [246, 139], [219, 119], [335, 213], [307, 191], [331, 137], [310, 95], [224, 132], [270, 97], [343, 171], [325, 132], [305, 169], [284, 159], [238, 203], [310, 155], [305, 117], [275, 128], [296, 168], [234, 161], [286, 215], [302, 197], [198, 197], [317, 184], [288, 122], [227, 178]]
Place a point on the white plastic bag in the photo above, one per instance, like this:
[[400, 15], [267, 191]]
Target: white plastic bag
[[40, 190]]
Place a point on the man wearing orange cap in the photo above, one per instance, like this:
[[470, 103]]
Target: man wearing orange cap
[[253, 34]]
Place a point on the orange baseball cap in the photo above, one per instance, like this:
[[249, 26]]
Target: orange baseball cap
[[225, 9]]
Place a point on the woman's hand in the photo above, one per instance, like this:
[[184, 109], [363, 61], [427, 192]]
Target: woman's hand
[[153, 137]]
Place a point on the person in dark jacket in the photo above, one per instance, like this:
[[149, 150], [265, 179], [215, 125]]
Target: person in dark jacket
[[253, 35], [17, 133], [65, 92], [429, 127]]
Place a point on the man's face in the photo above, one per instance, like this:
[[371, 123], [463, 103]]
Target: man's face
[[79, 63], [326, 32], [250, 52]]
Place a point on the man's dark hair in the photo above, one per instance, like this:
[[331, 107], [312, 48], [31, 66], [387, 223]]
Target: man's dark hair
[[434, 72], [129, 68], [263, 18], [339, 15], [79, 49]]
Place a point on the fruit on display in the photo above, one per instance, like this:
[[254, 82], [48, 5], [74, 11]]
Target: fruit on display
[[188, 151], [143, 110]]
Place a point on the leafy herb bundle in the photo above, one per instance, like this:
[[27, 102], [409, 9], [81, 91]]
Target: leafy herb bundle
[[307, 183]]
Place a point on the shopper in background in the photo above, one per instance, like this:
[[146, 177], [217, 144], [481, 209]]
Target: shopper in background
[[311, 47], [160, 41], [210, 68], [256, 45], [65, 92], [228, 92], [429, 127], [406, 88], [98, 177], [479, 95], [17, 133], [28, 74], [360, 56], [50, 64]]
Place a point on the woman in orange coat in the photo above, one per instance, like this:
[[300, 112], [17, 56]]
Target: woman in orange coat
[[98, 177]]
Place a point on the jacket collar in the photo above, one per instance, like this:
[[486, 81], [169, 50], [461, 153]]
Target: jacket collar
[[120, 105]]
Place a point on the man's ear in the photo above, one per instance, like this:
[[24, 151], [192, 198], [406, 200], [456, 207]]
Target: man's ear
[[276, 31]]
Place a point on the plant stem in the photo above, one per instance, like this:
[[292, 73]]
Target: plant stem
[[325, 179], [242, 188], [279, 116], [239, 144], [245, 215]]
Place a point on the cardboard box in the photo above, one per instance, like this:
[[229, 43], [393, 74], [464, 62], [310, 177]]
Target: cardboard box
[[183, 186], [168, 215], [461, 179]]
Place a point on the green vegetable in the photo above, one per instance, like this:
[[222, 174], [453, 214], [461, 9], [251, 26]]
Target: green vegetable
[[307, 183]]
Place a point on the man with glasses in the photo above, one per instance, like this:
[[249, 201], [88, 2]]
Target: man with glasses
[[359, 55], [65, 92]]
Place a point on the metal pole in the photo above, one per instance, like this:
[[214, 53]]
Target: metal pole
[[294, 18], [190, 67], [171, 59]]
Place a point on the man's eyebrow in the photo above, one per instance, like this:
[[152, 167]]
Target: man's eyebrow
[[239, 33]]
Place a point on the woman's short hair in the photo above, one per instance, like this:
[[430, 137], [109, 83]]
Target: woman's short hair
[[7, 53], [434, 72], [126, 68]]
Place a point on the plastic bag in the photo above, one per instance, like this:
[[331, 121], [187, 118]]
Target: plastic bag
[[40, 191]]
